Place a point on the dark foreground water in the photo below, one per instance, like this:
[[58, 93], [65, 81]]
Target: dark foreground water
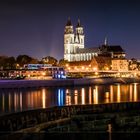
[[15, 100]]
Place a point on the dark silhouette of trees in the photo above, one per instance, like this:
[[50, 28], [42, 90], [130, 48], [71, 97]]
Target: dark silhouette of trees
[[7, 62], [63, 63], [21, 60], [49, 60]]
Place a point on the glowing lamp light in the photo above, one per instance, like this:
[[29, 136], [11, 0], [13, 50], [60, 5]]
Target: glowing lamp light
[[96, 73], [67, 65], [94, 68], [107, 94], [107, 68], [83, 67], [75, 92], [43, 73], [17, 65]]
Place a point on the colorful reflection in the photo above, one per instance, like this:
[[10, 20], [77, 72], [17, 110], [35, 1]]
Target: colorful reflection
[[95, 95], [111, 93], [14, 100], [43, 99], [83, 96], [60, 97], [135, 92], [68, 97], [118, 93], [90, 95], [131, 92], [75, 97]]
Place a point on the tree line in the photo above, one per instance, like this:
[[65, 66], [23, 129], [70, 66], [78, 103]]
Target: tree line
[[19, 62]]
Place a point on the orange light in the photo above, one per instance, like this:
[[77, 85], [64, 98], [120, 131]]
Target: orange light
[[83, 67], [94, 68], [43, 73]]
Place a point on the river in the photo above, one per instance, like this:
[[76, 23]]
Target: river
[[17, 100]]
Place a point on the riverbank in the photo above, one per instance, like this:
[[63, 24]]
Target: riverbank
[[39, 119], [64, 82]]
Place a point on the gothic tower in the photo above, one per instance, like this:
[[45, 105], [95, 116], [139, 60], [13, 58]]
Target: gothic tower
[[79, 36], [73, 40], [68, 41]]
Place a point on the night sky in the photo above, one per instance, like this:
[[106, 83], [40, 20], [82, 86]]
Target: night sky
[[36, 27]]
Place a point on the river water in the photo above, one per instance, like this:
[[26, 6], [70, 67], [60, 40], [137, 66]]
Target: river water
[[16, 100]]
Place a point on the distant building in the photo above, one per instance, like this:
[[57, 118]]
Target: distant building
[[97, 63], [119, 64], [74, 46], [37, 66], [113, 51], [102, 63]]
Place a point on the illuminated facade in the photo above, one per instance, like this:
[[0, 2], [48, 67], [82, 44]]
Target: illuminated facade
[[74, 44], [97, 63], [119, 64]]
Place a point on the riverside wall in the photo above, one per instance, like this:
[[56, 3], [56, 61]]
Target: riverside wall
[[35, 120], [64, 82]]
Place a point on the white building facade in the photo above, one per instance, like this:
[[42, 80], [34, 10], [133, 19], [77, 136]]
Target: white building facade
[[74, 44]]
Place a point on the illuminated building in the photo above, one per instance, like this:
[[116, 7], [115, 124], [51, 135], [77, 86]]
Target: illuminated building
[[74, 46], [119, 64], [104, 57], [97, 63]]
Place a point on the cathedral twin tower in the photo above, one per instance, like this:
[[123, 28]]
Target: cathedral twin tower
[[73, 41], [74, 44]]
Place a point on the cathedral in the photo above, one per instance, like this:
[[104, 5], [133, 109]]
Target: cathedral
[[74, 46]]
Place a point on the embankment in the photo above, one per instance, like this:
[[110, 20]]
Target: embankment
[[64, 82]]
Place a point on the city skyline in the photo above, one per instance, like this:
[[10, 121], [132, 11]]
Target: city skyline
[[36, 28]]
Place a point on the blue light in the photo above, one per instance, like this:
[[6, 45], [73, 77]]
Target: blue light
[[58, 75], [59, 102], [63, 76], [62, 93], [60, 97]]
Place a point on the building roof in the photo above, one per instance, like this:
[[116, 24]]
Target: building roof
[[78, 24], [69, 22], [119, 59], [115, 48], [101, 59], [88, 50]]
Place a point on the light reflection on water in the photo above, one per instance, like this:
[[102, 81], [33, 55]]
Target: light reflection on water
[[13, 100]]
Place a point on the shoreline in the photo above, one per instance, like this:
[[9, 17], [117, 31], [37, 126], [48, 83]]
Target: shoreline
[[64, 82]]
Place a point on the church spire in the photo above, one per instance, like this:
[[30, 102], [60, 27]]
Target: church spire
[[106, 41], [69, 22], [78, 24]]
